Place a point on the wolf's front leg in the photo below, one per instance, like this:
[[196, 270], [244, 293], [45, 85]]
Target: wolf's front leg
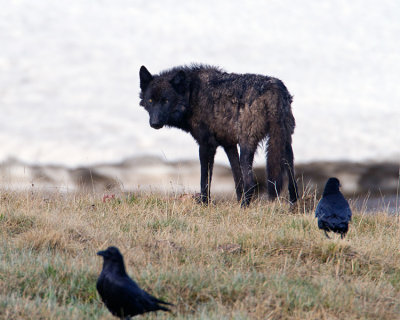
[[206, 154]]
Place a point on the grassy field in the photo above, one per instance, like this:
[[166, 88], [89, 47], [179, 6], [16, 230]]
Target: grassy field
[[218, 262]]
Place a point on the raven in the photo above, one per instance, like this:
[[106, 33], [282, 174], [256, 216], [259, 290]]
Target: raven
[[333, 211], [121, 295]]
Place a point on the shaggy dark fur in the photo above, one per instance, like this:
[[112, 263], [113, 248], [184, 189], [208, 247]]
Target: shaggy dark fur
[[226, 109], [121, 295], [333, 211]]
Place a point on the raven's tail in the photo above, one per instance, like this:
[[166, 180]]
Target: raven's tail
[[163, 302], [159, 307], [160, 304]]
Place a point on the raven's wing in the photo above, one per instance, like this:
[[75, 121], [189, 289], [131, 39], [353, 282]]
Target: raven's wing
[[123, 297], [120, 294], [146, 300], [333, 207], [324, 208], [155, 300], [131, 298], [341, 207]]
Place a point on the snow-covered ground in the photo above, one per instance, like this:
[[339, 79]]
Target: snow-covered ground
[[69, 73]]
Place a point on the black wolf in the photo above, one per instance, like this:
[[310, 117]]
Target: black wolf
[[333, 211], [226, 109]]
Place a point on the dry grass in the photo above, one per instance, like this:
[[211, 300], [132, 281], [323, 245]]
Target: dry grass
[[216, 262]]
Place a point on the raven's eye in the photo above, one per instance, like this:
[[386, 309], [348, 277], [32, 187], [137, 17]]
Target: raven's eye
[[150, 100]]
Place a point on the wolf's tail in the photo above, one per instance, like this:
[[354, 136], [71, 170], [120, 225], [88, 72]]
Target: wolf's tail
[[279, 151]]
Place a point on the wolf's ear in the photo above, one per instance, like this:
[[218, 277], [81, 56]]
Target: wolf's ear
[[178, 82], [145, 77]]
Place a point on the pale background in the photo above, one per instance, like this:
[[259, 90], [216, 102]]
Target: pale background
[[69, 73]]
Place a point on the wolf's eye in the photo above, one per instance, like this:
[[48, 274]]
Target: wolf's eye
[[150, 100]]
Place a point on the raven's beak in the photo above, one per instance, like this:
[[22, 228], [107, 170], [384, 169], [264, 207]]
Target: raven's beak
[[101, 253]]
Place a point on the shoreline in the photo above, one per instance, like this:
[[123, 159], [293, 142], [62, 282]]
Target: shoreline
[[371, 184]]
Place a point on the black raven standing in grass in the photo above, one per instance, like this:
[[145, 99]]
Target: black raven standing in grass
[[121, 295], [333, 211]]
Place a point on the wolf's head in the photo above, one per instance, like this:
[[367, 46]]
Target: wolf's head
[[165, 97]]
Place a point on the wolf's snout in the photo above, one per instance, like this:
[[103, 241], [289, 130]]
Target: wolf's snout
[[156, 123]]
